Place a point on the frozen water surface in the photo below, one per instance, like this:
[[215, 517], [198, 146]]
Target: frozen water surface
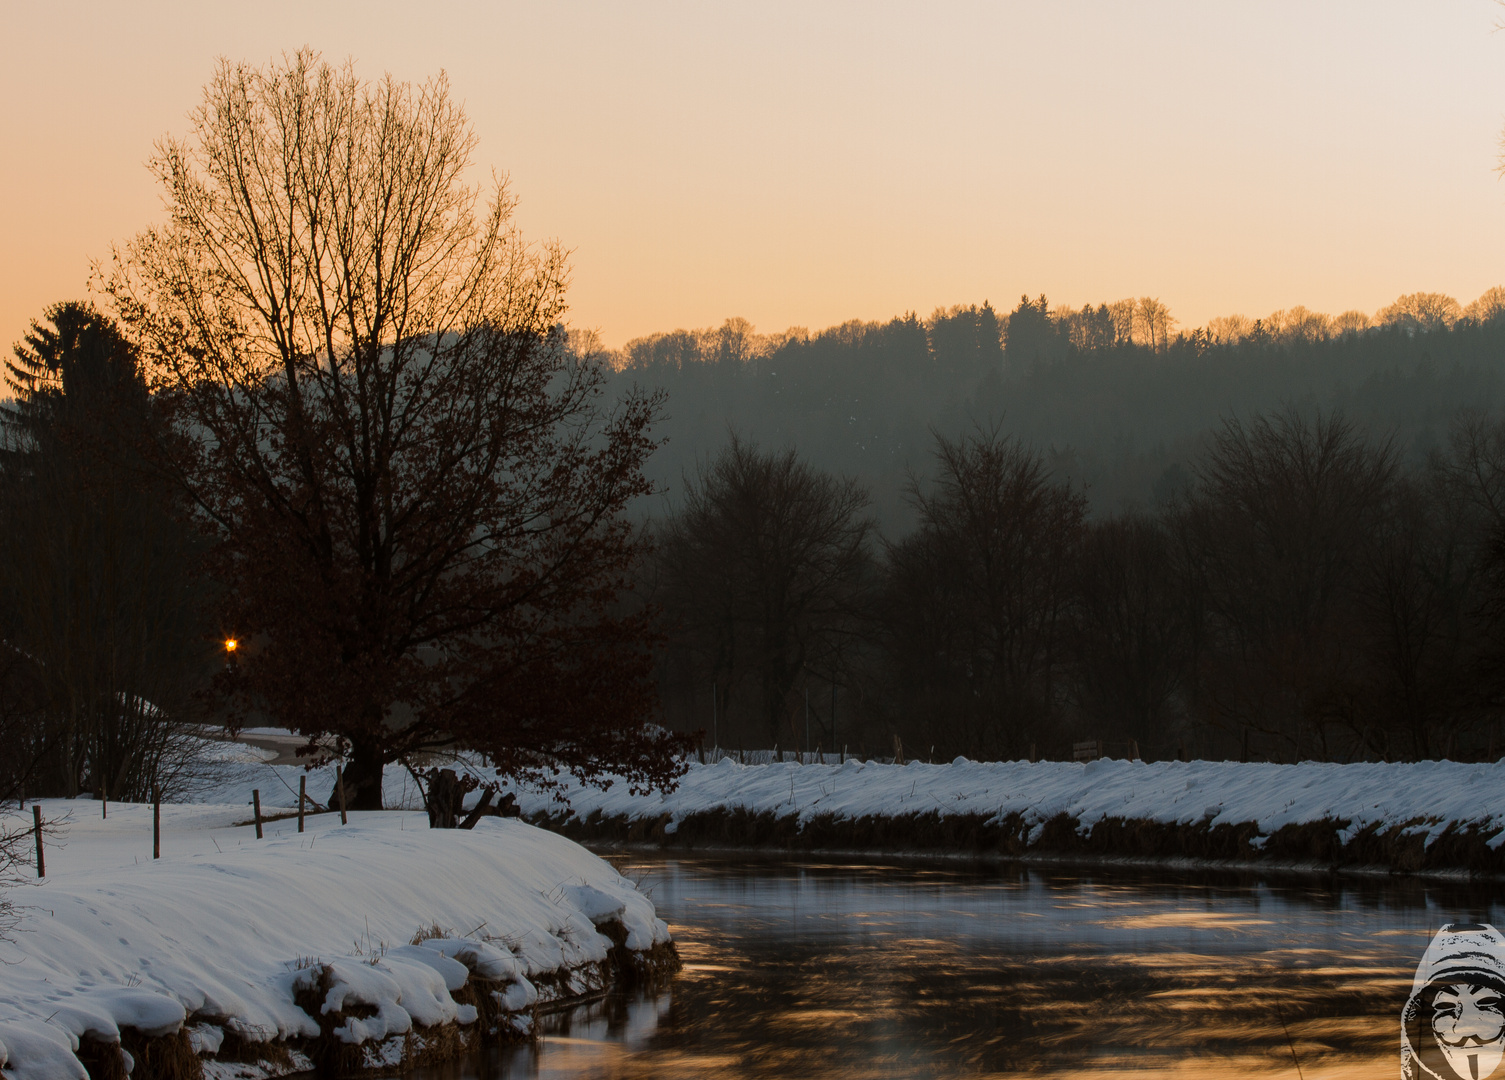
[[806, 969]]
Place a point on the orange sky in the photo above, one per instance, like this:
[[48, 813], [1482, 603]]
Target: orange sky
[[805, 163]]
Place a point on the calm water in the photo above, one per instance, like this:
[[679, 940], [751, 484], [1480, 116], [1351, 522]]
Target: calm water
[[807, 969]]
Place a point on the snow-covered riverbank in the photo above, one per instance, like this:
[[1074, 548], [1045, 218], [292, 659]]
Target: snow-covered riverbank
[[1426, 816], [263, 955]]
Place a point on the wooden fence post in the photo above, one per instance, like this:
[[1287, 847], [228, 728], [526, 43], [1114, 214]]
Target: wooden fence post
[[302, 794], [256, 805], [104, 800], [157, 823], [36, 817], [339, 783]]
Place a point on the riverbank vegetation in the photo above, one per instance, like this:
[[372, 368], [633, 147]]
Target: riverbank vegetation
[[1314, 572]]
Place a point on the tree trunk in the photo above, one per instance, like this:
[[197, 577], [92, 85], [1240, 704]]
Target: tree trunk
[[444, 798], [362, 778]]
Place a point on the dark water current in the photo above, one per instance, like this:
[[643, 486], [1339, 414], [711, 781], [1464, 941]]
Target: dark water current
[[813, 969]]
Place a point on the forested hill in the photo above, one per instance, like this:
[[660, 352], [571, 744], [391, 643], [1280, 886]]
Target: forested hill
[[1118, 404]]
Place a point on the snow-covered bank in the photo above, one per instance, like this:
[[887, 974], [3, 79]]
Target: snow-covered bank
[[1427, 816], [368, 940]]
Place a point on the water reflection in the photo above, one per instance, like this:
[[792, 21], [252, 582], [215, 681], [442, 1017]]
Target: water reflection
[[857, 971]]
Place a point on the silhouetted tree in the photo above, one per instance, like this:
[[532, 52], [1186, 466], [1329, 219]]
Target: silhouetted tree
[[418, 491], [27, 731], [1130, 633], [1416, 694], [977, 599], [1279, 526], [763, 568], [105, 610], [1470, 509], [1031, 334], [966, 342]]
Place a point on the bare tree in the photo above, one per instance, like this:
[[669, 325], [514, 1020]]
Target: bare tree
[[1127, 322], [1298, 324], [977, 597], [13, 849], [1350, 323], [1490, 304], [1470, 478], [1229, 329], [29, 733], [417, 491], [1277, 530], [1415, 696], [1130, 631], [763, 567], [1421, 312], [1155, 322]]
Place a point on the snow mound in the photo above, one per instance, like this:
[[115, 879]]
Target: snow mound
[[224, 932]]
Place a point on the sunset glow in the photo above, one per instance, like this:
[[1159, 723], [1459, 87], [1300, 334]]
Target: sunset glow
[[805, 164]]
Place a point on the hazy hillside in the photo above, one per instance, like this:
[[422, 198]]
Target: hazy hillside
[[1119, 404]]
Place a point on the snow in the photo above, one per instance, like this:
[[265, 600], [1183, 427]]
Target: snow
[[206, 1038], [1428, 795], [223, 930], [34, 1051]]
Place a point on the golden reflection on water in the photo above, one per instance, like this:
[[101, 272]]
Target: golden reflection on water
[[860, 972]]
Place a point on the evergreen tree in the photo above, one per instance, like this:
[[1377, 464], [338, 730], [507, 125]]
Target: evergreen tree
[[96, 575]]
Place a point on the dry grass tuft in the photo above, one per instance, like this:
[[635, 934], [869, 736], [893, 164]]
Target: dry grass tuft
[[270, 1052], [102, 1060], [170, 1057], [429, 933]]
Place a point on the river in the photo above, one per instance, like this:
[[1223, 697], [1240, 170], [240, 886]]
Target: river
[[799, 968]]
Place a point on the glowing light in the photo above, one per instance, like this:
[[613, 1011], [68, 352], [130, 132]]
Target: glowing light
[[231, 644]]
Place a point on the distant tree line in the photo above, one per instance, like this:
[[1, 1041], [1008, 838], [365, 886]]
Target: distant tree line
[[1303, 594], [1267, 538], [1115, 396]]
